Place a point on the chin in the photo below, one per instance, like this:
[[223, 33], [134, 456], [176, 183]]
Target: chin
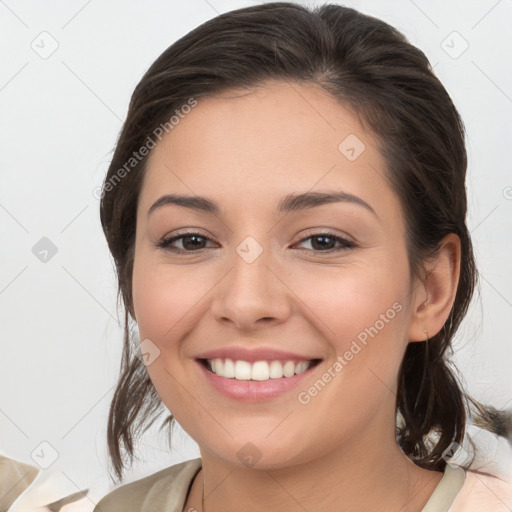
[[260, 453]]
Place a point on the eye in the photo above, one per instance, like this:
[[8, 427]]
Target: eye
[[323, 242], [195, 242], [191, 242]]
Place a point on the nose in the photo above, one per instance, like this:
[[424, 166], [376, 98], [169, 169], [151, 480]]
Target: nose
[[254, 293]]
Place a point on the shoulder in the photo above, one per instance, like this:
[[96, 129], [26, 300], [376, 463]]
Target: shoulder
[[15, 478], [164, 488], [483, 491]]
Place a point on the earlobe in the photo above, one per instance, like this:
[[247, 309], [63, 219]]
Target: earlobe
[[432, 306]]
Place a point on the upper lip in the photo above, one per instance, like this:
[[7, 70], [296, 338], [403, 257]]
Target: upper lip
[[252, 354]]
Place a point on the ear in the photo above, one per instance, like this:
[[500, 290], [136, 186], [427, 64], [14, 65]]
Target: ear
[[435, 294]]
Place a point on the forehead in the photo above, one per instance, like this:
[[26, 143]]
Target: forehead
[[265, 143]]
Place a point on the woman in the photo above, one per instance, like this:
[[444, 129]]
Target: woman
[[286, 210]]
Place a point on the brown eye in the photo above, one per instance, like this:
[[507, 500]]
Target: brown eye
[[191, 242], [325, 242]]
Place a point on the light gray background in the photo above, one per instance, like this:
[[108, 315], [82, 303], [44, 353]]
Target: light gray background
[[60, 117]]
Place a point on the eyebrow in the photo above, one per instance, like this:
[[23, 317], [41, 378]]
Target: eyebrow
[[290, 203]]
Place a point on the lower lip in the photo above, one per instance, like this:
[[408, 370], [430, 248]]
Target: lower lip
[[253, 390]]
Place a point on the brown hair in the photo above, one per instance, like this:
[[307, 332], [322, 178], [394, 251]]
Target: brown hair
[[371, 68]]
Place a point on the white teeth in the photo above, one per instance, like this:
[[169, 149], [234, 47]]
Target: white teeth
[[276, 370], [259, 370], [242, 370], [289, 369], [229, 369], [301, 367]]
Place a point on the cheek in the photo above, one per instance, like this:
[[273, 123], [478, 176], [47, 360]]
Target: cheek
[[363, 317], [361, 311], [164, 299], [164, 302], [348, 300]]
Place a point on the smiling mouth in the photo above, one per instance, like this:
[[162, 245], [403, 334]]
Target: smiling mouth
[[257, 370]]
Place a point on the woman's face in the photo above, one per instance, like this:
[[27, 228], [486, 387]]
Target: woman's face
[[267, 279]]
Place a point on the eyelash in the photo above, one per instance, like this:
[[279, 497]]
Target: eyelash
[[165, 243]]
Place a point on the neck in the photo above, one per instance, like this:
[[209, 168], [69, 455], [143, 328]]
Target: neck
[[362, 475]]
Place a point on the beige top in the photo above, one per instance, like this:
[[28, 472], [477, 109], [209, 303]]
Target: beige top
[[15, 477], [167, 491], [26, 488]]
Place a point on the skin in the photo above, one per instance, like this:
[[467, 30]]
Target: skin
[[247, 151]]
